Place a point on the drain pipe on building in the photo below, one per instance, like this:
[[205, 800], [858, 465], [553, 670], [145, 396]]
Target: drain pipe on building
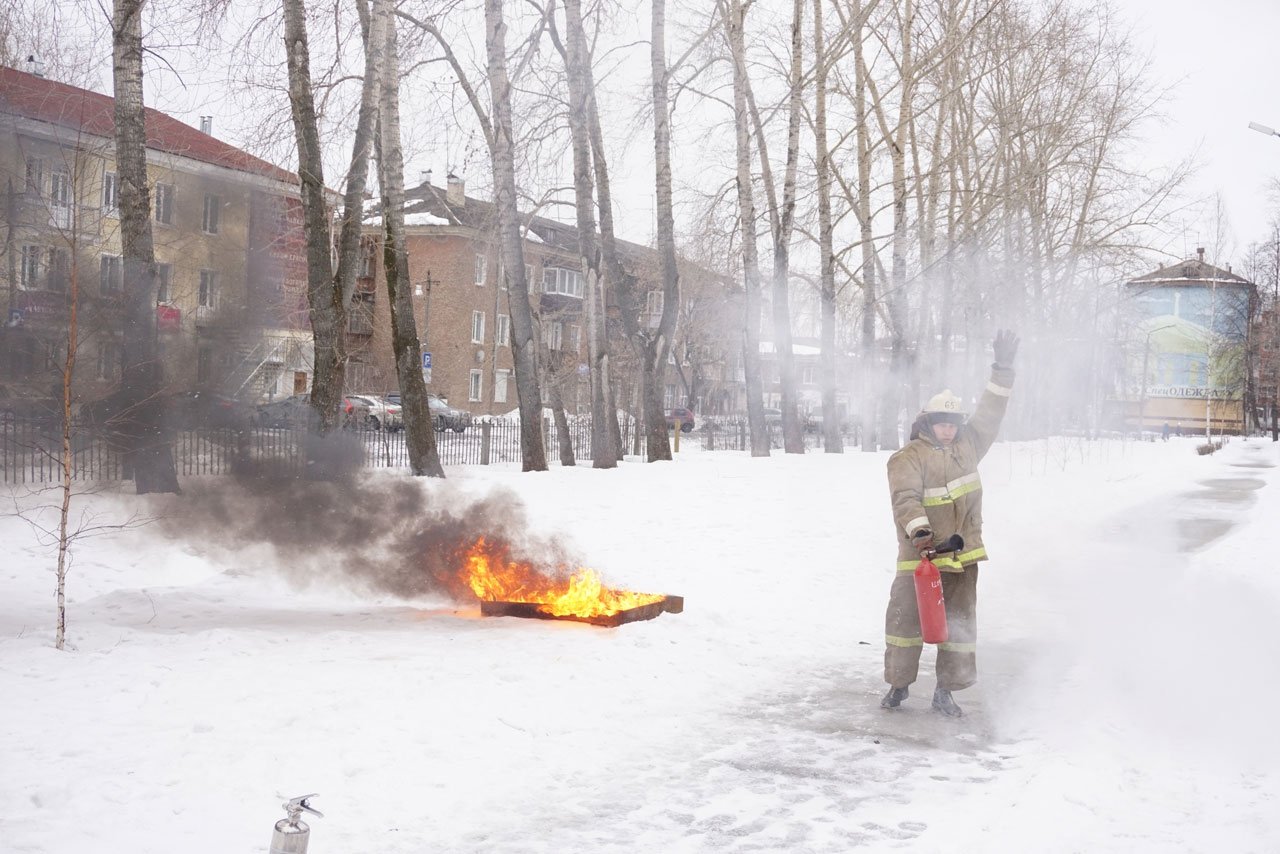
[[292, 834]]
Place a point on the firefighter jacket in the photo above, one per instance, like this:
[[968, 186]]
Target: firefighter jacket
[[938, 488]]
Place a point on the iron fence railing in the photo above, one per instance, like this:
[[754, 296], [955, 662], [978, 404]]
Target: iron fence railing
[[31, 448]]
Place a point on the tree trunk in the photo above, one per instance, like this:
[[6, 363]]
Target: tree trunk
[[66, 458], [144, 434], [524, 350], [867, 418], [604, 452], [832, 442], [555, 400], [735, 20], [792, 431], [420, 435], [654, 357], [327, 309]]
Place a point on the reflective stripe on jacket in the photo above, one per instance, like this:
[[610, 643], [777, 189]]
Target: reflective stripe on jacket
[[938, 488]]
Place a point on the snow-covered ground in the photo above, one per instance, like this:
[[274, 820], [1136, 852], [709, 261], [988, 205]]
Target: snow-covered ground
[[1127, 699]]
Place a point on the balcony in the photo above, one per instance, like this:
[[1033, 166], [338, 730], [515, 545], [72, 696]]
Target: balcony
[[360, 322], [206, 315], [43, 215]]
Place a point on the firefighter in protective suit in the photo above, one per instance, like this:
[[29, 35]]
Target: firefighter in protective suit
[[936, 492]]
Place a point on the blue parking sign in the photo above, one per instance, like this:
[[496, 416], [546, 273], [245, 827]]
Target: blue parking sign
[[426, 361]]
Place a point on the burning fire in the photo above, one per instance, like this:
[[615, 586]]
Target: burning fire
[[493, 577]]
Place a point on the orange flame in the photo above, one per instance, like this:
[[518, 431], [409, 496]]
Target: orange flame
[[495, 578]]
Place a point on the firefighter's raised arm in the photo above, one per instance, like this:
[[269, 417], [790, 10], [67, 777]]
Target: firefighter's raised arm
[[984, 424]]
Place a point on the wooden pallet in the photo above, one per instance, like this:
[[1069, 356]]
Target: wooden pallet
[[668, 604]]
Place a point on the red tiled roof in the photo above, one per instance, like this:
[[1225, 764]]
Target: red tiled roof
[[81, 110]]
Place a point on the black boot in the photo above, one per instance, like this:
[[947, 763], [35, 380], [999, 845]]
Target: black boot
[[943, 702], [894, 698]]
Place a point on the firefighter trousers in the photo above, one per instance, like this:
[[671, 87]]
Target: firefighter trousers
[[957, 665]]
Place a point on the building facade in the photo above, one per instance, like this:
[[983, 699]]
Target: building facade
[[1189, 353], [463, 315], [230, 301]]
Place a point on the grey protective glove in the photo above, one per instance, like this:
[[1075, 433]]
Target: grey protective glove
[[922, 540], [1005, 348]]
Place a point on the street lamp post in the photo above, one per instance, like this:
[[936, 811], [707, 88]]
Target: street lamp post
[[1142, 398]]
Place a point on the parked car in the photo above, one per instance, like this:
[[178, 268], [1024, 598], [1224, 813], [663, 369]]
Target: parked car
[[182, 410], [446, 417], [443, 416], [382, 413], [45, 410], [295, 411], [292, 411], [772, 416], [683, 415]]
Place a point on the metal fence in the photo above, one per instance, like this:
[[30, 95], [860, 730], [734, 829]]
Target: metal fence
[[31, 449]]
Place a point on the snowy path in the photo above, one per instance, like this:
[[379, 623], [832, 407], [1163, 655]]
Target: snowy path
[[203, 684]]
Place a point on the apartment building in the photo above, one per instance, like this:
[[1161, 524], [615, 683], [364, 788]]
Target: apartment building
[[231, 311], [462, 311]]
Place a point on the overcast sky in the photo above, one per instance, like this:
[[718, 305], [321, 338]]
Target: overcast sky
[[1221, 58], [1218, 59]]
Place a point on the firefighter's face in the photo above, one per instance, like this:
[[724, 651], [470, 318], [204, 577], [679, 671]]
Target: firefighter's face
[[945, 432]]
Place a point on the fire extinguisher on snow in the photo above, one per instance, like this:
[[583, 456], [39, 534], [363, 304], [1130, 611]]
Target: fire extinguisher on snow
[[292, 835], [933, 609]]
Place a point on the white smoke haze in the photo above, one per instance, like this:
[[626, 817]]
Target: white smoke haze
[[1155, 648]]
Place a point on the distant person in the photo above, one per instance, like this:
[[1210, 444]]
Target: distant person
[[1164, 432], [935, 490]]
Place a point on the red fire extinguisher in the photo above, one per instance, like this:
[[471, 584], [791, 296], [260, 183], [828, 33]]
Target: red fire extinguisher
[[933, 609]]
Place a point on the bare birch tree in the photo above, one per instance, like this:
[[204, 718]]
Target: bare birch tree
[[832, 442], [604, 451], [141, 425], [328, 291], [734, 16], [420, 437], [658, 345], [782, 221]]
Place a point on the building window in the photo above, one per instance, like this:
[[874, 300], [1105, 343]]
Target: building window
[[30, 269], [59, 273], [360, 317], [557, 280], [553, 334], [575, 337], [111, 275], [653, 302], [504, 331], [164, 204], [164, 282], [35, 176], [60, 199], [528, 275], [482, 269], [669, 396], [477, 327], [110, 193], [108, 360], [809, 375], [500, 378], [212, 210], [204, 365], [208, 296], [368, 258], [476, 392]]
